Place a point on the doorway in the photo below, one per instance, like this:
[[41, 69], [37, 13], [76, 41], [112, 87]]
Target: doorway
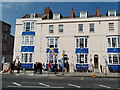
[[96, 61]]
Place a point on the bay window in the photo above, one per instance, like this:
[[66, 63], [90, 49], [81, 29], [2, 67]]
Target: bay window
[[81, 42], [51, 57], [113, 41], [26, 57], [27, 40], [82, 58], [28, 26], [114, 58], [52, 42]]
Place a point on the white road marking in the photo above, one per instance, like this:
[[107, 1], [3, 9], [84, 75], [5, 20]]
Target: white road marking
[[56, 87], [44, 84], [27, 87], [74, 85], [33, 87], [102, 86], [16, 84]]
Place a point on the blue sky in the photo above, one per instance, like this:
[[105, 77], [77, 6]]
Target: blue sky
[[13, 10]]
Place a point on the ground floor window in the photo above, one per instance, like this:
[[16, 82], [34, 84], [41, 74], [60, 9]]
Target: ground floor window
[[114, 58], [51, 57], [82, 58], [26, 57]]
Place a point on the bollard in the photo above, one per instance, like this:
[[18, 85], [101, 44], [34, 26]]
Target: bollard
[[94, 75], [24, 70]]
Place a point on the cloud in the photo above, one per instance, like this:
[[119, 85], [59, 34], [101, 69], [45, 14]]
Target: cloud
[[13, 5], [6, 5]]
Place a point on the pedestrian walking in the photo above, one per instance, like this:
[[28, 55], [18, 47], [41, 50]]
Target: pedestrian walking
[[18, 67], [12, 66], [35, 68]]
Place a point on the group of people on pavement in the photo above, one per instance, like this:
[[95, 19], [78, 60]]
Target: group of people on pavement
[[15, 66], [60, 67], [38, 67]]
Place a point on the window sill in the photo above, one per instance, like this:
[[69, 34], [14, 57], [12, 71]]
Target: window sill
[[61, 32], [81, 32], [92, 31]]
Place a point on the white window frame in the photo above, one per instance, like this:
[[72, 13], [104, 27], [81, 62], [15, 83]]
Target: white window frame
[[51, 28], [112, 11], [83, 14], [84, 59], [80, 27], [85, 45], [111, 26], [28, 40], [53, 59], [32, 25], [112, 62], [111, 42], [32, 15], [28, 57], [93, 28], [56, 16], [55, 42], [60, 28]]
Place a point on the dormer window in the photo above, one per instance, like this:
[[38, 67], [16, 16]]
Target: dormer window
[[112, 13], [83, 14], [32, 15], [56, 16]]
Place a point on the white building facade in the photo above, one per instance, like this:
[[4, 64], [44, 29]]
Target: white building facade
[[85, 40]]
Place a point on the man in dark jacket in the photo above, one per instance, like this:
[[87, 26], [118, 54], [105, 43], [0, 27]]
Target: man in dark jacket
[[39, 68], [35, 67], [12, 67], [18, 67]]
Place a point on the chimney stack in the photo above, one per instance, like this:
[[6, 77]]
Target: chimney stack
[[72, 14], [98, 12], [47, 10]]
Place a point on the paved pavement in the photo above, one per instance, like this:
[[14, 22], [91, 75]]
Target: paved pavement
[[72, 74]]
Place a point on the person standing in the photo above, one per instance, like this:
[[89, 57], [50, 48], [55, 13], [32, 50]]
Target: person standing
[[38, 67], [101, 68], [49, 67], [67, 66], [18, 67], [35, 68], [12, 67], [55, 68], [41, 68]]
